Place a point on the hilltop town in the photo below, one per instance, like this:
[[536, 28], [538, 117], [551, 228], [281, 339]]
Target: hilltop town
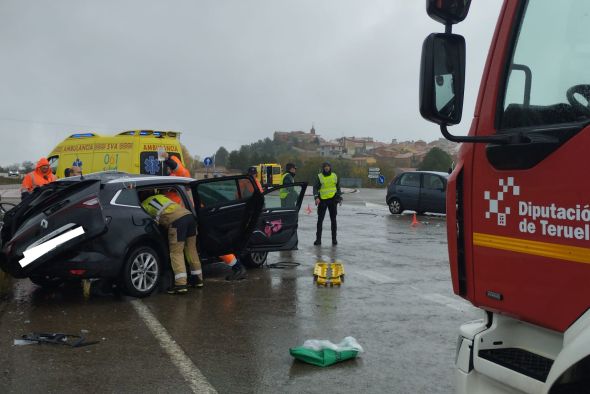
[[402, 155]]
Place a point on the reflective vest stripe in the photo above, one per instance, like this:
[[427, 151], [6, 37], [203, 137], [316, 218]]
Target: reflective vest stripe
[[327, 185], [157, 205]]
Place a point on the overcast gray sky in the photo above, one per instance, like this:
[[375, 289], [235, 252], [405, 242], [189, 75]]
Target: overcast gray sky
[[224, 72]]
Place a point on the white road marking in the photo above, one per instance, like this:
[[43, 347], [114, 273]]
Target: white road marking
[[373, 276], [193, 376], [449, 302]]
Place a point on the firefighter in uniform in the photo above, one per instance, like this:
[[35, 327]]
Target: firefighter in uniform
[[40, 176], [177, 169], [327, 194], [182, 237], [288, 195]]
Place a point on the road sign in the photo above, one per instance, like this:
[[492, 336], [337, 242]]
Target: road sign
[[374, 176], [381, 180], [208, 161], [374, 169]]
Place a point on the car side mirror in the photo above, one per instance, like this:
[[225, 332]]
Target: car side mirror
[[442, 78], [448, 12]]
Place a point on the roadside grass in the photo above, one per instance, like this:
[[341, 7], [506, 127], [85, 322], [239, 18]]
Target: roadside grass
[[10, 181]]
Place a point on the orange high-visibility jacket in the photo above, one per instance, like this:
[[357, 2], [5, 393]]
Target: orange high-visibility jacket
[[36, 178]]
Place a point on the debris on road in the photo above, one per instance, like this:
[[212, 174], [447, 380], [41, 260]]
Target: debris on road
[[54, 339], [324, 353]]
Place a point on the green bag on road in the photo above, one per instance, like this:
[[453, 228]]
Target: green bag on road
[[324, 353]]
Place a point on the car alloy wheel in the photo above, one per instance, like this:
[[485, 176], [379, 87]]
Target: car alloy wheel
[[144, 272], [254, 259], [395, 207], [141, 272]]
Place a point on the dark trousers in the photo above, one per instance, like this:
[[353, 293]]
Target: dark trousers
[[330, 205]]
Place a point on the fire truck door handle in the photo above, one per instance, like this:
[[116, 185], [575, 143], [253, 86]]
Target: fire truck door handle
[[526, 153]]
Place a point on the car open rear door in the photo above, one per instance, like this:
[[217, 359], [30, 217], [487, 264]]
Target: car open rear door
[[276, 228], [227, 210], [53, 220]]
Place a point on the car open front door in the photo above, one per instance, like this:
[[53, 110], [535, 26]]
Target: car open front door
[[227, 211], [277, 226], [53, 220]]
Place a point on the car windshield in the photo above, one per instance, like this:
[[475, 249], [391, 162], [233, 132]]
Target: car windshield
[[548, 80]]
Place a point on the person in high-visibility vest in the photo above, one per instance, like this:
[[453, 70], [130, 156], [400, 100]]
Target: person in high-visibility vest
[[181, 226], [40, 176], [175, 165], [327, 194], [288, 195], [253, 172]]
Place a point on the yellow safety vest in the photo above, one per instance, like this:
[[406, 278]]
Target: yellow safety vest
[[159, 204], [284, 192], [327, 185]]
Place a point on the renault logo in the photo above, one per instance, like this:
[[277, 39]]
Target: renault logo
[[44, 223]]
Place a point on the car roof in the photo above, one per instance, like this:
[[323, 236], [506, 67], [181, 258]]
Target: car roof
[[114, 177], [439, 173]]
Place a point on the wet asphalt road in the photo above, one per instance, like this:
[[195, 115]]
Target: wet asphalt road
[[397, 302]]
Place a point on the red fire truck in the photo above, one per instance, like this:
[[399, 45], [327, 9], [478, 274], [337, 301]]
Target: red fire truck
[[518, 202]]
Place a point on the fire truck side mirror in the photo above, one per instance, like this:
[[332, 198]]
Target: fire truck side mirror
[[442, 78], [448, 12]]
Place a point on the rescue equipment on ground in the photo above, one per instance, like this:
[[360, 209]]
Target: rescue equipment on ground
[[328, 274]]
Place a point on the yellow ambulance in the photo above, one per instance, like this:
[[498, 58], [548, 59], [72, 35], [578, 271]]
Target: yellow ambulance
[[134, 151], [269, 174]]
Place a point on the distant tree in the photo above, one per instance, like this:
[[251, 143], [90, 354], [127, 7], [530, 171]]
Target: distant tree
[[221, 156], [239, 159], [436, 160], [188, 158], [28, 166]]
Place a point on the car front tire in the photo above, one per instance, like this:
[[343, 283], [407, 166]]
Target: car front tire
[[254, 259], [141, 272], [395, 206]]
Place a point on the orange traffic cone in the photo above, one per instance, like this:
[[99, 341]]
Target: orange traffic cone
[[308, 209], [414, 220]]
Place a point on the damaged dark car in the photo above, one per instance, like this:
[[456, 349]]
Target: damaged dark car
[[94, 227]]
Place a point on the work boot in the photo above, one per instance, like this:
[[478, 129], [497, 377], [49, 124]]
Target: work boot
[[334, 242], [178, 289], [238, 272], [195, 281], [317, 242]]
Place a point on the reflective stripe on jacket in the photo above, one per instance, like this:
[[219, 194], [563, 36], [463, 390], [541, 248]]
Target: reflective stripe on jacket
[[158, 205], [327, 185], [180, 170]]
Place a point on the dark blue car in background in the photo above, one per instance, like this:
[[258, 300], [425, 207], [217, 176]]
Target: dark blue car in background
[[420, 191]]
